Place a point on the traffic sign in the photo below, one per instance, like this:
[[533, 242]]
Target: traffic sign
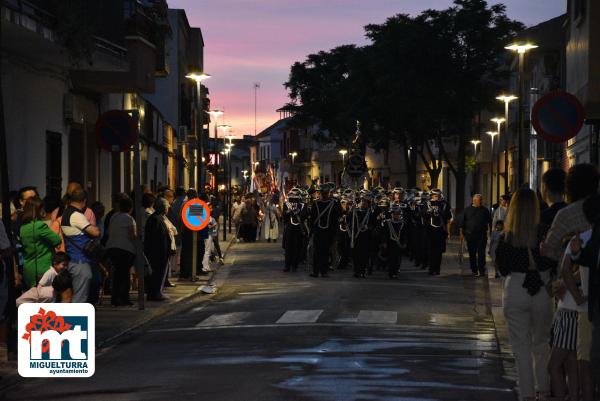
[[557, 116], [116, 131], [195, 214]]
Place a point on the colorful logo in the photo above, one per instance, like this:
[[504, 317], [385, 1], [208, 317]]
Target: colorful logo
[[56, 340]]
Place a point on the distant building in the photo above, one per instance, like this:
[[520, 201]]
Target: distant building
[[53, 95], [583, 75]]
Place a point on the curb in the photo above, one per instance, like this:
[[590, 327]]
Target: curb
[[167, 308], [12, 379]]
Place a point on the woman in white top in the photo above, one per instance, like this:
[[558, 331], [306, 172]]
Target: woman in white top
[[271, 220], [121, 250]]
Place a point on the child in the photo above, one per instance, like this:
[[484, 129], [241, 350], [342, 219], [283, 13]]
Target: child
[[495, 240], [46, 290]]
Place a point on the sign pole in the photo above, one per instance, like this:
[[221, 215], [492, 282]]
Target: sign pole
[[194, 254]]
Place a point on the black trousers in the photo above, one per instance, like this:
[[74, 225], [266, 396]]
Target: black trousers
[[437, 246], [361, 253], [322, 244], [217, 246], [122, 261], [394, 261], [476, 244], [343, 246]]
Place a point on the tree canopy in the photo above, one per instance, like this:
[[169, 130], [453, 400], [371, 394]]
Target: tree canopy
[[420, 78]]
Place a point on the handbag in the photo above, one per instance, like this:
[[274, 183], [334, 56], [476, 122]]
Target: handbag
[[533, 280], [93, 248]]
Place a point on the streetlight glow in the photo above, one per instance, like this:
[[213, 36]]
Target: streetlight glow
[[506, 98], [521, 47], [198, 76], [216, 113], [492, 134]]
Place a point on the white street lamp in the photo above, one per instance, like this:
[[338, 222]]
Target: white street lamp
[[343, 152], [506, 99], [521, 49]]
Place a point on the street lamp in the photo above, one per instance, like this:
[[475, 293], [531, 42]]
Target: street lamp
[[521, 49], [475, 142], [293, 154], [498, 121], [214, 114], [506, 99], [492, 134], [198, 77], [343, 152]]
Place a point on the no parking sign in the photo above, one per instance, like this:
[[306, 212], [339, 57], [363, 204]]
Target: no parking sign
[[195, 214], [557, 116]]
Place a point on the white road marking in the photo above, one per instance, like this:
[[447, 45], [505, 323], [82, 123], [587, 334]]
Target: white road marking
[[377, 317], [300, 316], [224, 319]]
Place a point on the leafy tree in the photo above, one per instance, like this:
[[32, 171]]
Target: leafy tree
[[421, 79]]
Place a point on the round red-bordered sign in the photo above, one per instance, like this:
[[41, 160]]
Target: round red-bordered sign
[[116, 131], [557, 116], [195, 214]]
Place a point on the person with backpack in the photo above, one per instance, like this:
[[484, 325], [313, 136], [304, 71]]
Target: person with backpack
[[77, 233]]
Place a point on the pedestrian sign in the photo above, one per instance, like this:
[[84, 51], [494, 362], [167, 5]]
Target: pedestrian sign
[[195, 214]]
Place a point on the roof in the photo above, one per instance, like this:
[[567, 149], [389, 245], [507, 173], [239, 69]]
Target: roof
[[275, 128], [549, 35]]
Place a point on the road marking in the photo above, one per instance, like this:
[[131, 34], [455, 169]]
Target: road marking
[[377, 317], [300, 316], [484, 335], [224, 319], [266, 292]]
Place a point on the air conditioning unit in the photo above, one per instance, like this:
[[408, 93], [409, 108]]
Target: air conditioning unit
[[182, 133]]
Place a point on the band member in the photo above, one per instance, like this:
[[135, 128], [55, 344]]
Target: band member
[[417, 236], [437, 217], [343, 239], [294, 231], [324, 217], [394, 239], [361, 227]]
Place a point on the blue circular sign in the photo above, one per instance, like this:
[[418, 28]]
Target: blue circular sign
[[195, 214], [557, 116], [116, 131]]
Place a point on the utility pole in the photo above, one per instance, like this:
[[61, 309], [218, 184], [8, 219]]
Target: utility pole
[[256, 87]]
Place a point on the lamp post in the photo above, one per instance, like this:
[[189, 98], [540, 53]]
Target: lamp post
[[229, 152], [498, 121], [293, 154], [343, 152], [492, 134], [506, 99], [521, 49], [214, 114], [198, 77], [475, 142]]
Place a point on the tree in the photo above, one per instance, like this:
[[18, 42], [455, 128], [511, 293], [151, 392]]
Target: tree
[[420, 80]]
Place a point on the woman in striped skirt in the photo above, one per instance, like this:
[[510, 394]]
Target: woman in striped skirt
[[563, 341]]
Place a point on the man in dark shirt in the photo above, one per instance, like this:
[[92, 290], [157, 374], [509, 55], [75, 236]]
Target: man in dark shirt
[[324, 218], [553, 193], [473, 226]]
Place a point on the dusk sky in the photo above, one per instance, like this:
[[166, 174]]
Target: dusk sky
[[249, 41]]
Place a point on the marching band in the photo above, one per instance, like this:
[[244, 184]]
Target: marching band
[[328, 228]]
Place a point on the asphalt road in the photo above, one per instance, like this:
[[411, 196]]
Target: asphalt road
[[270, 335]]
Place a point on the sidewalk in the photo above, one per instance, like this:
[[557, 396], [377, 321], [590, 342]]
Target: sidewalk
[[493, 290], [114, 323]]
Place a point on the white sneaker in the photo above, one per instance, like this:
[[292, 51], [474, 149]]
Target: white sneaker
[[206, 269]]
